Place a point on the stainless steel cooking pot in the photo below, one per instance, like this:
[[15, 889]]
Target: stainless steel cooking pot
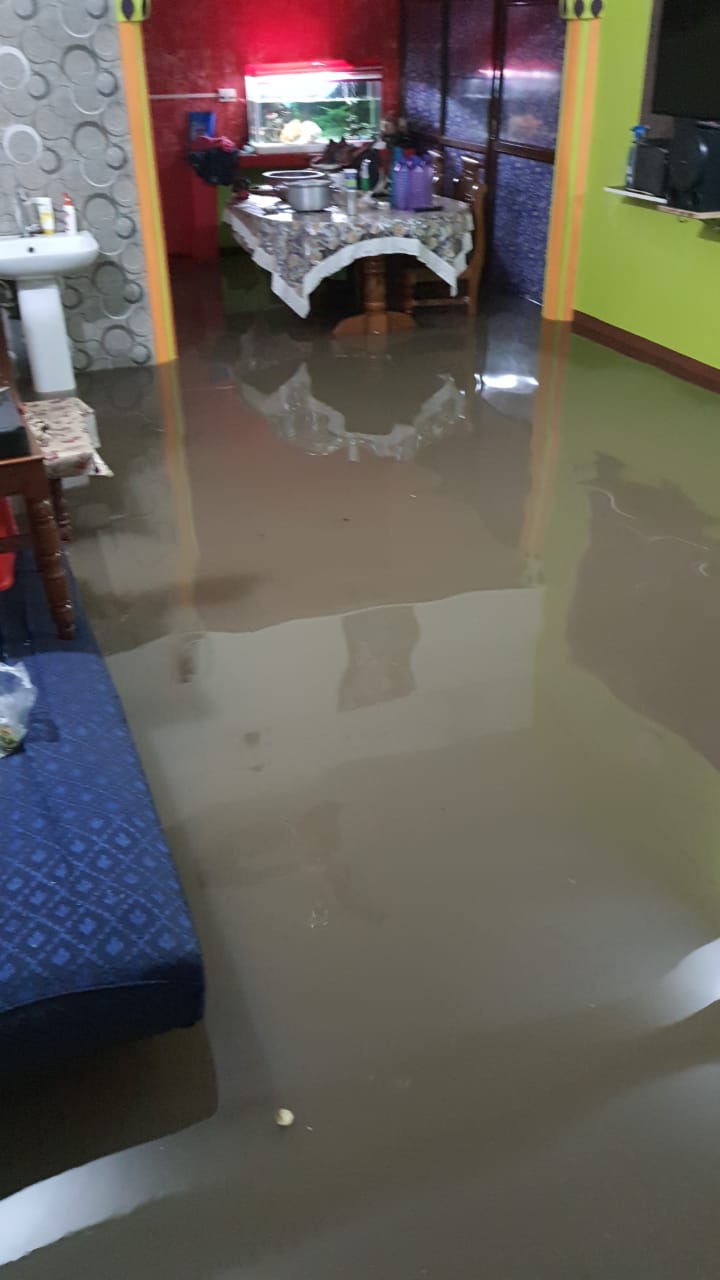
[[310, 195]]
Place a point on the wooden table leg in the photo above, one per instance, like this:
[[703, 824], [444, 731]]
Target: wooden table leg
[[408, 298], [46, 542], [376, 319], [62, 515]]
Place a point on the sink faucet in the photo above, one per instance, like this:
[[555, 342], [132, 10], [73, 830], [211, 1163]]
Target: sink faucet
[[26, 226]]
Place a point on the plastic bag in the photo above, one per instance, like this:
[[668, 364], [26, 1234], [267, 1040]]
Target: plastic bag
[[17, 698]]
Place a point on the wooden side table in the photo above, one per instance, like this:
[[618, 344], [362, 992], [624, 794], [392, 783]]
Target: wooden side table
[[26, 478]]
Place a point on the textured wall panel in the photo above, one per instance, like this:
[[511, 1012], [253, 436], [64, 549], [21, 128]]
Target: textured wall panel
[[63, 127], [522, 212], [423, 63]]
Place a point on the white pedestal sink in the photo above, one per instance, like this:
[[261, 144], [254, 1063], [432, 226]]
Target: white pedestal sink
[[35, 263]]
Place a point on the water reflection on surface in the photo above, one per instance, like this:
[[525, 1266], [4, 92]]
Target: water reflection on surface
[[433, 735]]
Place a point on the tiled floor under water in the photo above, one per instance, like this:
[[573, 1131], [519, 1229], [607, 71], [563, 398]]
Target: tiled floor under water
[[418, 643]]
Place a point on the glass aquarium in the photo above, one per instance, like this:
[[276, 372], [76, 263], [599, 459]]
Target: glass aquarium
[[302, 107]]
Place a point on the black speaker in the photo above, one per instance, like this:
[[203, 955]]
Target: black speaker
[[694, 167], [651, 166]]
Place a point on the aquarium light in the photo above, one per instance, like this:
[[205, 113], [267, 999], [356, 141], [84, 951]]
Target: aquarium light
[[328, 65], [301, 88]]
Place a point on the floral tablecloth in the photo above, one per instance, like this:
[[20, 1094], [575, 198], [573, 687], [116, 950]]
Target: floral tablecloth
[[301, 249], [64, 429]]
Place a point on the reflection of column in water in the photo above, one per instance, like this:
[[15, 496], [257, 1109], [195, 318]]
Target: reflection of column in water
[[187, 621]]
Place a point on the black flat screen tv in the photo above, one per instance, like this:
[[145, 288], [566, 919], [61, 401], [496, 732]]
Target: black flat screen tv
[[687, 81]]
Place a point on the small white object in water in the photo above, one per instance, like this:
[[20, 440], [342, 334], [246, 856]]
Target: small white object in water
[[284, 1118]]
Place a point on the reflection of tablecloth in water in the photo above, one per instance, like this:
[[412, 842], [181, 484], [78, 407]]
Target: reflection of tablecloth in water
[[296, 415], [301, 249]]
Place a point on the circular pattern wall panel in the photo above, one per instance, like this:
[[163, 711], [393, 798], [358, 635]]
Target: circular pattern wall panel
[[64, 127]]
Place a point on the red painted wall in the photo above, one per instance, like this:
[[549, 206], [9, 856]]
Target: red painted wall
[[198, 46]]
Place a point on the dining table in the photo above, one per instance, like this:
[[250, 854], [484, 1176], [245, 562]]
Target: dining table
[[302, 249]]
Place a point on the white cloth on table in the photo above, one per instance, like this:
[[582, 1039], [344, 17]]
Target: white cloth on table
[[302, 249]]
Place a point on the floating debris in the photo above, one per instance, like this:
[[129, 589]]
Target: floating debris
[[319, 918]]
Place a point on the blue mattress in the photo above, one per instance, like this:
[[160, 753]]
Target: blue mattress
[[96, 940]]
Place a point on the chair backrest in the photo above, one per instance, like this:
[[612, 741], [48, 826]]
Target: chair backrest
[[477, 260], [477, 204], [436, 160], [468, 180]]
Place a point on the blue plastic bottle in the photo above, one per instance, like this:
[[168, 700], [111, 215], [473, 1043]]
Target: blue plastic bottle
[[639, 132]]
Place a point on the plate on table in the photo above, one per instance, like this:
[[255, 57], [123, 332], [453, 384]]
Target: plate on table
[[264, 203]]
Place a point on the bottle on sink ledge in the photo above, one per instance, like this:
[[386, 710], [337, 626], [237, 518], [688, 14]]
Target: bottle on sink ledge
[[45, 215], [69, 216]]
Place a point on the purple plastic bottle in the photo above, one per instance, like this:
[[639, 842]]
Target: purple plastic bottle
[[429, 185], [401, 184], [416, 185]]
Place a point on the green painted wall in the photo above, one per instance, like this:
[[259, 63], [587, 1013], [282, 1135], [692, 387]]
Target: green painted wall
[[639, 269]]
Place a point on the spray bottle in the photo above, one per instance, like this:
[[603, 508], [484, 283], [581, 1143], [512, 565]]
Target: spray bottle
[[70, 215], [639, 132]]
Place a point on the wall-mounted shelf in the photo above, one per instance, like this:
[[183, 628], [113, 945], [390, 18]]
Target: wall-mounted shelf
[[689, 214], [662, 206], [635, 195]]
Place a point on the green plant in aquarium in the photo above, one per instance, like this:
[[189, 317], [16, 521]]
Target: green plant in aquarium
[[342, 121], [331, 121]]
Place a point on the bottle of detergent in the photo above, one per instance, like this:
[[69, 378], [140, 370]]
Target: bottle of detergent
[[69, 215], [639, 132]]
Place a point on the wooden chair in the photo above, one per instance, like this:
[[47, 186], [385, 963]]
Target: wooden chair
[[26, 477], [65, 431], [467, 181], [437, 161], [468, 187]]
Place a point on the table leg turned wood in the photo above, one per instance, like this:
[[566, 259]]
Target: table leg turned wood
[[62, 515], [46, 542], [376, 319], [408, 296]]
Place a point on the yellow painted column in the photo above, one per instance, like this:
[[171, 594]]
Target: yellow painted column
[[571, 160], [572, 155], [130, 13]]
